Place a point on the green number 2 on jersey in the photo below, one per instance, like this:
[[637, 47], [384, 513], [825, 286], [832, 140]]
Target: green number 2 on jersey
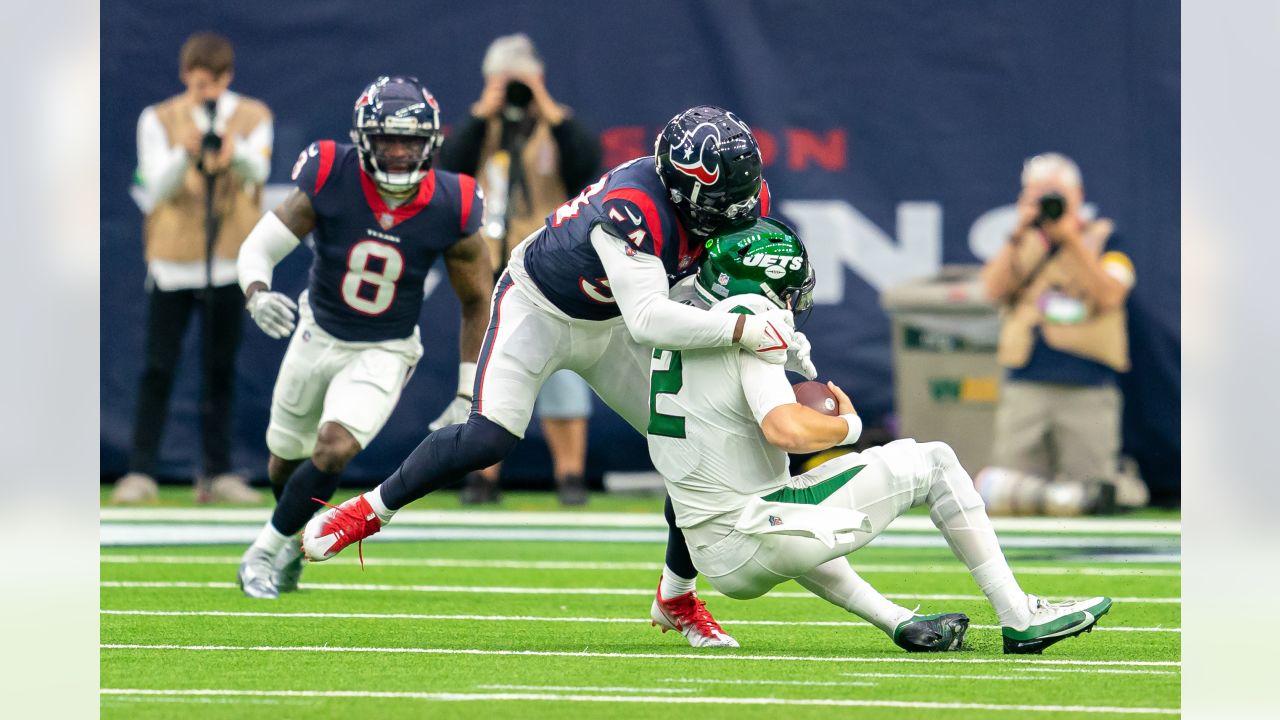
[[666, 379]]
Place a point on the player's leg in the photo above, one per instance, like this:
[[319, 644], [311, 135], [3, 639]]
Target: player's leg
[[837, 583], [1029, 623], [297, 403], [522, 346], [563, 407], [620, 377]]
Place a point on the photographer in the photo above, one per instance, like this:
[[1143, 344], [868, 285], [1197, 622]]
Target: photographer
[[1063, 338], [530, 155], [203, 156]]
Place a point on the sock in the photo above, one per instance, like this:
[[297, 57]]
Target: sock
[[374, 498], [837, 583], [958, 511], [296, 505], [270, 541], [673, 585], [679, 564], [277, 491], [445, 457]]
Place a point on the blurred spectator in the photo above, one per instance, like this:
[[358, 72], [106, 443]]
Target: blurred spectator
[[206, 138], [530, 155], [1063, 338]]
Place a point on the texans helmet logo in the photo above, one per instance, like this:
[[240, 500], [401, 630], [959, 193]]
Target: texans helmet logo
[[695, 155]]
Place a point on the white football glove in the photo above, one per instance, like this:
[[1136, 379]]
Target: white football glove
[[769, 335], [798, 357], [460, 409], [455, 412], [273, 312]]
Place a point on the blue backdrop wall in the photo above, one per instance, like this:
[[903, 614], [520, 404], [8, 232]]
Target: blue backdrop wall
[[894, 132]]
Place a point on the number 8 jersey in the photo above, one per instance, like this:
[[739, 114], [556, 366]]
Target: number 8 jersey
[[371, 259]]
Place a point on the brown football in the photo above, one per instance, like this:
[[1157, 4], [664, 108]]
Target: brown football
[[817, 396]]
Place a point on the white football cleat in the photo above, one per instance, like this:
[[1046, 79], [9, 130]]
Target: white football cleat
[[256, 575], [1051, 622], [287, 565], [689, 616]]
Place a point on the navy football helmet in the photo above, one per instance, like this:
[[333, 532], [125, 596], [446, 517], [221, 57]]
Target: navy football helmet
[[710, 164], [396, 130]]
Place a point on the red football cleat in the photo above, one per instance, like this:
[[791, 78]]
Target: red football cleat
[[339, 526], [689, 615]]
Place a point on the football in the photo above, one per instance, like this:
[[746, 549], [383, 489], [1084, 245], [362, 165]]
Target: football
[[817, 396]]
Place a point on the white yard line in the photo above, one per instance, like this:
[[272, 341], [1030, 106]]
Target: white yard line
[[498, 518], [1142, 548], [640, 656], [956, 569], [529, 618], [588, 688], [506, 590], [1115, 671], [847, 683], [555, 697]]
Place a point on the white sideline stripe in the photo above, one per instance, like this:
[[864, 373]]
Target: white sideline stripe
[[1098, 670], [1147, 549], [573, 565], [641, 656], [490, 697], [587, 688], [498, 518], [529, 618], [829, 683], [503, 590]]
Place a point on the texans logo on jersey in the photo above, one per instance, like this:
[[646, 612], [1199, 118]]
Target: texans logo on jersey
[[694, 155]]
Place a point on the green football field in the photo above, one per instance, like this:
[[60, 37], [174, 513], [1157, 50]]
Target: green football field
[[538, 614]]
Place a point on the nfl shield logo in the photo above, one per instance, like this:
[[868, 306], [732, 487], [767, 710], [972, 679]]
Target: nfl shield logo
[[774, 521], [386, 220], [684, 263]]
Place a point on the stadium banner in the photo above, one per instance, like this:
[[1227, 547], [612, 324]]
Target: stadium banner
[[893, 134]]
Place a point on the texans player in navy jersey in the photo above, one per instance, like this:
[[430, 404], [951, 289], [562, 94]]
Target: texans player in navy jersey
[[380, 215], [589, 292]]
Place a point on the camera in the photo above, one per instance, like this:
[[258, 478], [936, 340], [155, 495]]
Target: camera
[[1052, 206]]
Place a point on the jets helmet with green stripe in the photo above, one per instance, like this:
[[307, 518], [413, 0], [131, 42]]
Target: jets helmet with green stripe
[[765, 258]]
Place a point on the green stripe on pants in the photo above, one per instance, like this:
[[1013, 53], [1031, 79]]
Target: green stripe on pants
[[815, 493]]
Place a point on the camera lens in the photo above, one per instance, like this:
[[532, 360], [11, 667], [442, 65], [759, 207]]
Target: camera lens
[[1052, 206]]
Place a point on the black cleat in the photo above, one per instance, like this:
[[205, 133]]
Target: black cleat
[[941, 632]]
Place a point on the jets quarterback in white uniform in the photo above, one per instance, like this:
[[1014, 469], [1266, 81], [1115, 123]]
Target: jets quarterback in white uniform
[[721, 424]]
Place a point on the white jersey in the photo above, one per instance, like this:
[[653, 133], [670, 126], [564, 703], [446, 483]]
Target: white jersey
[[704, 427]]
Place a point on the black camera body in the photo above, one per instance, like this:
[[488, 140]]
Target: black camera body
[[1052, 207]]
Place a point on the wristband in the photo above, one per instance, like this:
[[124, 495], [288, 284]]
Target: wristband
[[855, 429], [466, 379]]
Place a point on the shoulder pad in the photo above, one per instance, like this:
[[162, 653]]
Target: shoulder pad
[[632, 215], [312, 168]]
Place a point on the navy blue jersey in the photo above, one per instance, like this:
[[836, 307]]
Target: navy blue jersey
[[371, 260], [632, 201]]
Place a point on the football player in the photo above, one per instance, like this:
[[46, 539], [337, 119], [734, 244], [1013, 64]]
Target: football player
[[380, 215], [589, 292], [721, 426]]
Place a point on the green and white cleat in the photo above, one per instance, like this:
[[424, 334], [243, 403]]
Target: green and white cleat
[[1051, 622], [940, 632], [287, 566]]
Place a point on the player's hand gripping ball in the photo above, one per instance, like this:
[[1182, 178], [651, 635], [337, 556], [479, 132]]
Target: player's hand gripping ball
[[817, 396]]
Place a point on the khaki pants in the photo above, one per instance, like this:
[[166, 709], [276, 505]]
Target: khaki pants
[[1058, 431]]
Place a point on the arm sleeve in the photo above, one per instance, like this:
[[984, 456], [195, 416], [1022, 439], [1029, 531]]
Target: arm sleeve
[[268, 243], [639, 284], [764, 384], [160, 165], [579, 155], [252, 157], [461, 151]]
